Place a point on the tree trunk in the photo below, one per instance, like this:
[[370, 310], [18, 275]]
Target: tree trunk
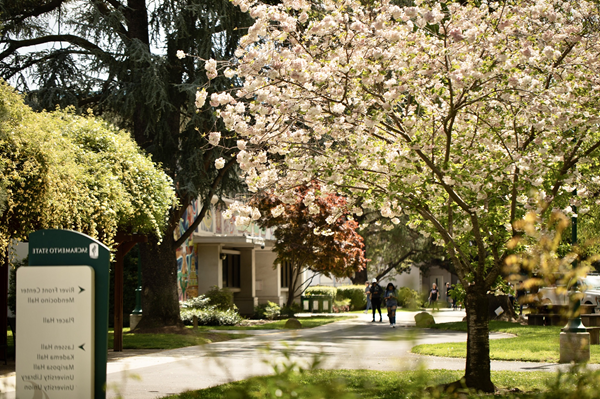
[[477, 372], [160, 300], [360, 277], [293, 285]]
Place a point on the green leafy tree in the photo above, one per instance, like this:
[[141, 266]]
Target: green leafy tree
[[121, 58], [394, 249], [67, 171]]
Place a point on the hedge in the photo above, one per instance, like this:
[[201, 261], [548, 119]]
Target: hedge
[[409, 298], [319, 290], [356, 295]]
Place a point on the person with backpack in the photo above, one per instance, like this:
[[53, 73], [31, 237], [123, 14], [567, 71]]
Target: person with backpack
[[376, 292]]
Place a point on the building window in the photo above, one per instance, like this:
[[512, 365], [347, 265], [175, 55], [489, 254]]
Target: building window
[[286, 274], [231, 271]]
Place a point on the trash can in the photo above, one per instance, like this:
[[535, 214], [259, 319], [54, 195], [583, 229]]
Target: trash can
[[316, 303]]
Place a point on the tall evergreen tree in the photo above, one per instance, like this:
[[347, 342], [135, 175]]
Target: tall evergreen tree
[[119, 58]]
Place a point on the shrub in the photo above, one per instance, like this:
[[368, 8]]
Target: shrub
[[269, 311], [208, 314], [290, 311], [211, 316], [340, 306], [319, 290], [409, 298], [356, 295], [220, 298], [199, 302], [458, 294]]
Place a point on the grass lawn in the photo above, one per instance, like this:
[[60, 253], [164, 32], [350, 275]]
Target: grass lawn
[[307, 322], [338, 384], [532, 344], [169, 341]]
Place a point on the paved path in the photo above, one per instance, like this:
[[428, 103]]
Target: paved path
[[347, 344]]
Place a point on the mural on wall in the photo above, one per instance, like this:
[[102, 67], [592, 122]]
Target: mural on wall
[[187, 266]]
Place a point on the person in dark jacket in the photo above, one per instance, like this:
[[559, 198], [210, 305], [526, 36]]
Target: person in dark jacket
[[376, 292]]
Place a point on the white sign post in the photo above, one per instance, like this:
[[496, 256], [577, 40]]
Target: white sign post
[[55, 332]]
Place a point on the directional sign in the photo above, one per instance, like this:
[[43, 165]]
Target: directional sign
[[71, 248], [55, 324]]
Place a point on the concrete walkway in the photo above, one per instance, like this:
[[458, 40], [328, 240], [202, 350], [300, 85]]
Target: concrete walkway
[[347, 344]]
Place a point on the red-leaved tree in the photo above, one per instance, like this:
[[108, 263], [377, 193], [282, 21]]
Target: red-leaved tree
[[313, 232]]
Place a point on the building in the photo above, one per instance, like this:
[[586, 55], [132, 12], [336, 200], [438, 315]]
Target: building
[[239, 258]]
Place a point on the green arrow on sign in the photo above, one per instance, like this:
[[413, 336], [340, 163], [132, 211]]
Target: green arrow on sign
[[81, 347]]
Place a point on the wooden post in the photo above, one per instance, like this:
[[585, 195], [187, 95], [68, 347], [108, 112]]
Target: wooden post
[[118, 302], [126, 243], [4, 266]]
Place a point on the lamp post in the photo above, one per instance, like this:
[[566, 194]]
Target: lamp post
[[574, 324], [574, 338]]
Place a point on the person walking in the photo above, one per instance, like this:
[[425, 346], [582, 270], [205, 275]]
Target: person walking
[[376, 292], [391, 302], [433, 296], [448, 297], [368, 295]]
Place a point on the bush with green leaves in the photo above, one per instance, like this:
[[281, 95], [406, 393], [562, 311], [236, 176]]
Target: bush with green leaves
[[409, 298], [207, 314], [200, 302], [356, 295], [211, 317], [342, 305], [320, 290], [290, 311], [62, 170], [221, 298], [458, 294], [269, 311]]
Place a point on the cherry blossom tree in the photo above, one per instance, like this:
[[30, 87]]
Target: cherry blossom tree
[[313, 232], [462, 117]]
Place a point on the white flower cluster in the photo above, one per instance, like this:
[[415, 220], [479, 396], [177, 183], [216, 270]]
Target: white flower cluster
[[200, 98], [211, 68], [245, 213], [219, 163], [214, 138]]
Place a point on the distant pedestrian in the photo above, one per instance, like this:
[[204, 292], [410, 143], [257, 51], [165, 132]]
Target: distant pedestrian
[[434, 294], [376, 292], [448, 297], [368, 295], [391, 301]]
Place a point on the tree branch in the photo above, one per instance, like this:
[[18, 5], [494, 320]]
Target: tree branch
[[206, 203], [37, 11], [393, 265], [14, 45]]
